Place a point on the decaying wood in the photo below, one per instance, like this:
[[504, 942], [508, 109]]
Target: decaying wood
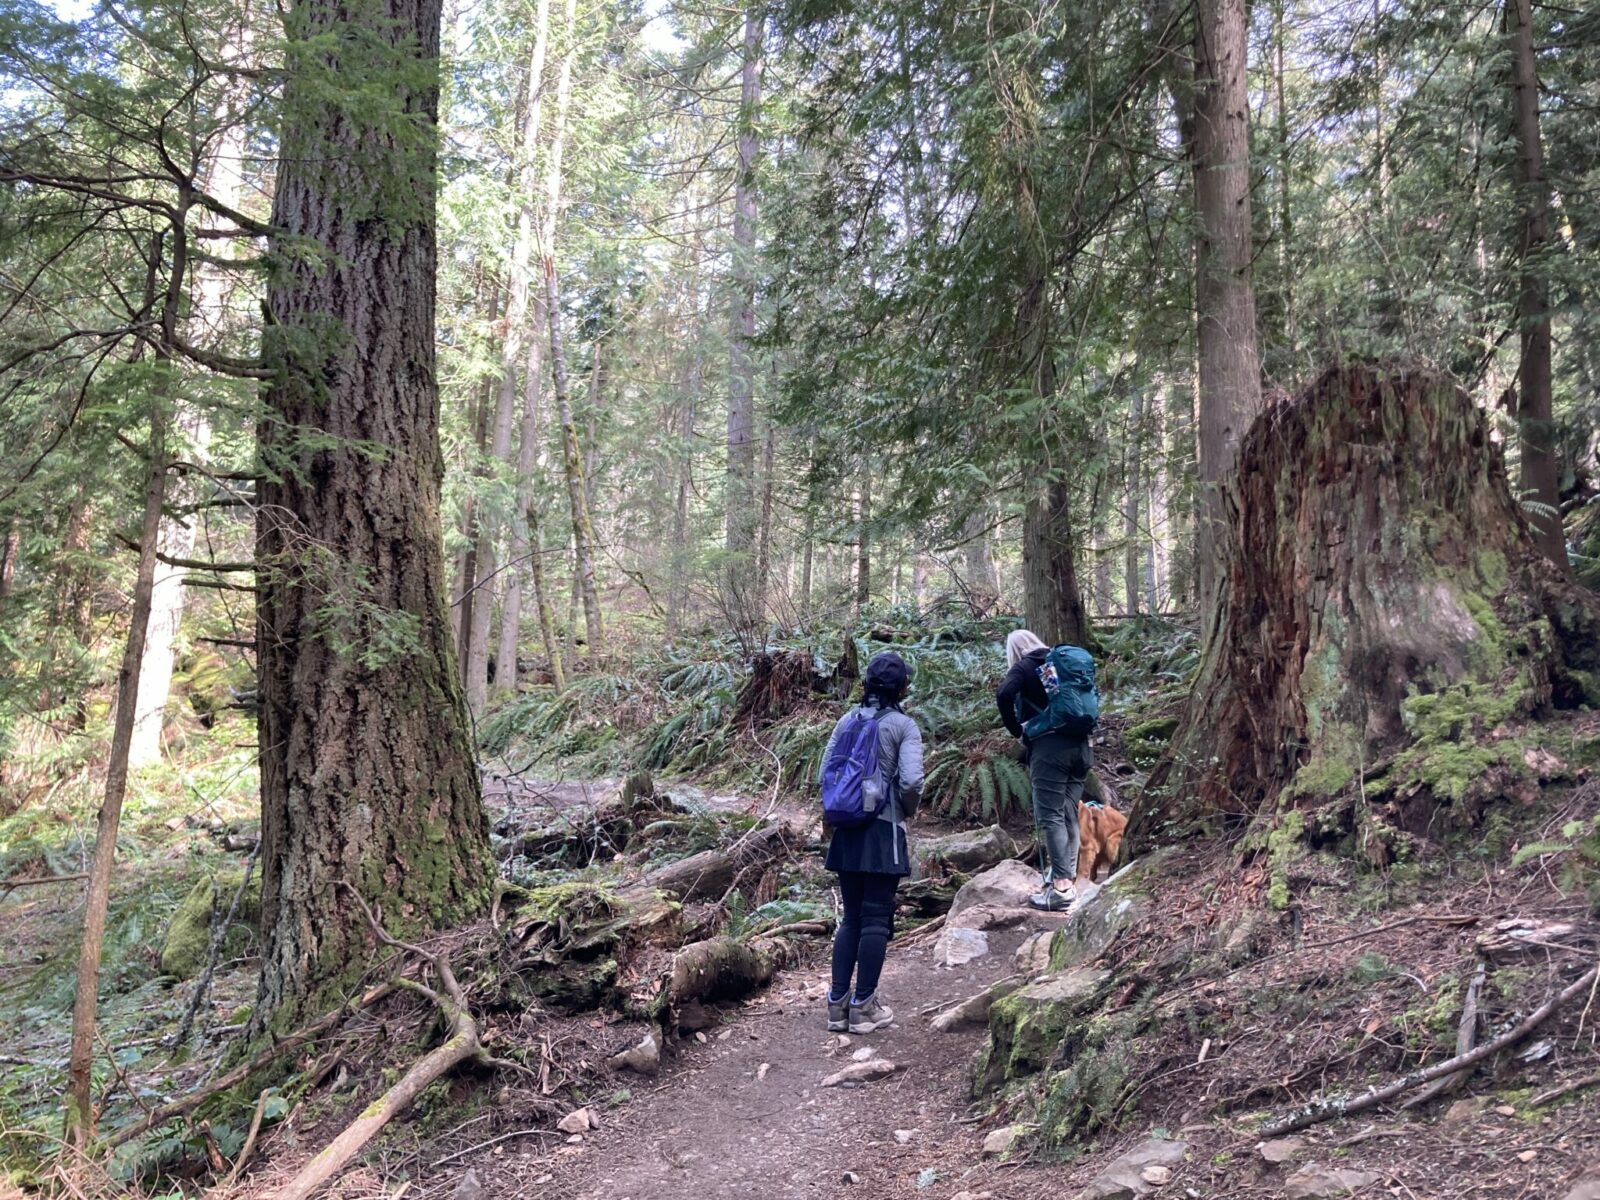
[[1326, 575], [463, 1045], [1342, 1106], [1466, 1038], [718, 968], [709, 874]]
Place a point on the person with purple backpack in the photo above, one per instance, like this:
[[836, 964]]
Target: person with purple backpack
[[871, 785]]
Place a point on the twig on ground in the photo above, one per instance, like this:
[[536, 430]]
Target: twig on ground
[[242, 1072], [1556, 1093], [219, 935], [494, 1141], [249, 1146], [1340, 1106], [10, 884], [1466, 1038]]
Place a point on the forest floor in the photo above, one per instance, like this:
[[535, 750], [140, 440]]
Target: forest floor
[[1358, 982]]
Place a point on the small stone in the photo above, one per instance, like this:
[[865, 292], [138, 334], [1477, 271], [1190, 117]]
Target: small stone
[[1155, 1176], [850, 1177], [761, 1071], [579, 1120], [700, 1037], [467, 1187], [860, 1072], [645, 1058], [842, 1041], [1280, 1150], [1315, 1182], [724, 1035], [575, 1139], [1000, 1141], [926, 1178], [1125, 1179], [903, 1136], [863, 1054], [1527, 1156], [1505, 1110]]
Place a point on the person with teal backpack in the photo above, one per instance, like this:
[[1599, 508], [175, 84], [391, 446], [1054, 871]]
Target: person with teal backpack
[[1048, 699]]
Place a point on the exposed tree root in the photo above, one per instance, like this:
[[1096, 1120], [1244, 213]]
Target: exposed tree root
[[1342, 1106], [463, 1045]]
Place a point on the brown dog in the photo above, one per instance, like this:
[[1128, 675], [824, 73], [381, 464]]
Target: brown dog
[[1099, 838]]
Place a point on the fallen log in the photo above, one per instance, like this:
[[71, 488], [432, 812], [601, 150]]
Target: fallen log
[[1342, 1106], [718, 968], [709, 874]]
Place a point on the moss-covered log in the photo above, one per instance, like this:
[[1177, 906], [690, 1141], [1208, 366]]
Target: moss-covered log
[[1383, 612]]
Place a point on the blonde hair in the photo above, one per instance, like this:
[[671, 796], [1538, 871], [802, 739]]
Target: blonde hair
[[1019, 643]]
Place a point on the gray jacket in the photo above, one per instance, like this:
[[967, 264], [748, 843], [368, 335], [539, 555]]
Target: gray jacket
[[899, 760]]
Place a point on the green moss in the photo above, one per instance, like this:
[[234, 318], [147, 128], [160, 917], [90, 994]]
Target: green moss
[[1146, 741], [1324, 776], [188, 941], [1284, 845], [1494, 571], [1035, 1026]]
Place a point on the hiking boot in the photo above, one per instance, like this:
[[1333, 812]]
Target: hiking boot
[[839, 1014], [869, 1014], [1053, 899]]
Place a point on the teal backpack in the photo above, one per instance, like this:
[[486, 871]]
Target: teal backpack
[[1067, 674]]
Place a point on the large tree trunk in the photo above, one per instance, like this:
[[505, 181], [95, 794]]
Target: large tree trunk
[[1384, 610], [1540, 470], [1053, 605], [1230, 370], [864, 538], [742, 586], [367, 772]]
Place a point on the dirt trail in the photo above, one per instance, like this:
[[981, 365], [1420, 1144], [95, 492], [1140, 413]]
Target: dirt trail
[[712, 1127]]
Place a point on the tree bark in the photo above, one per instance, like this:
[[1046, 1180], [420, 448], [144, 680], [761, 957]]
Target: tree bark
[[1230, 370], [979, 560], [864, 539], [764, 535], [577, 491], [742, 585], [1535, 412], [521, 349], [367, 772], [1383, 599], [1053, 605], [80, 1097], [1134, 484]]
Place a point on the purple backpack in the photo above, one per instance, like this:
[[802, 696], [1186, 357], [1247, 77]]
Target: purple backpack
[[852, 793]]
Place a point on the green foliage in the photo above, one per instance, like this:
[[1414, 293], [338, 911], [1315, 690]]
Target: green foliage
[[984, 782]]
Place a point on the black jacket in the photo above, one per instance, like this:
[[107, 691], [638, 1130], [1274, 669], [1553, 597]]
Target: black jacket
[[1022, 680]]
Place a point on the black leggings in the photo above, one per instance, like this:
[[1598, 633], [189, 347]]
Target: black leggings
[[864, 931]]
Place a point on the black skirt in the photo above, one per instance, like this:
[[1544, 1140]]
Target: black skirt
[[879, 847]]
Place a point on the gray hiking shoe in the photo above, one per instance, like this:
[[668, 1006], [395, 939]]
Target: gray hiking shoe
[[1053, 899], [869, 1014], [839, 1014]]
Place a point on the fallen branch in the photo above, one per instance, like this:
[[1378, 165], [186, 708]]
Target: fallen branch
[[463, 1045], [11, 884], [249, 1146], [239, 1074], [219, 935], [1466, 1038], [1567, 1088], [1340, 1106]]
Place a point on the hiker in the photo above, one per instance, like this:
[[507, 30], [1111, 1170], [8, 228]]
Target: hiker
[[1058, 762], [871, 785]]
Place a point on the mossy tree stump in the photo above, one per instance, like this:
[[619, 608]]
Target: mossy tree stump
[[1384, 613]]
